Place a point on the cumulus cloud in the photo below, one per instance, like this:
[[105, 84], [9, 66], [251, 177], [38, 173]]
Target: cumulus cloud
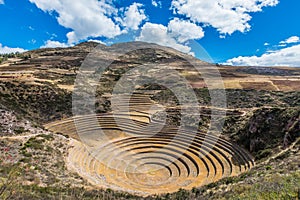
[[88, 18], [134, 16], [5, 49], [184, 30], [289, 56], [293, 39], [1, 1], [157, 33], [175, 35], [227, 16], [54, 44]]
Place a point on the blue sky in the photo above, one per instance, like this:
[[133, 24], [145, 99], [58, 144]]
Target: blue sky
[[236, 32]]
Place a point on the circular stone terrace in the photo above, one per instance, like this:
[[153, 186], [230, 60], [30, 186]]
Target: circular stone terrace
[[145, 162]]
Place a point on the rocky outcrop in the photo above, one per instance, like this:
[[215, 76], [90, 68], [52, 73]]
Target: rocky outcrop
[[269, 128]]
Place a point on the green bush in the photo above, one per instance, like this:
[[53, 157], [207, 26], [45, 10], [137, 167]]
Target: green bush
[[19, 130], [268, 167], [35, 143]]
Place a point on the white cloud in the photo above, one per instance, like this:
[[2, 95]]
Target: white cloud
[[54, 44], [175, 35], [134, 16], [282, 45], [227, 16], [5, 49], [293, 39], [31, 28], [184, 30], [89, 18], [1, 2], [32, 41], [157, 33], [97, 41], [289, 56], [266, 44], [156, 3]]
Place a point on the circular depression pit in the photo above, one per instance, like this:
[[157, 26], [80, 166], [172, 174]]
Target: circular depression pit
[[149, 164], [149, 156]]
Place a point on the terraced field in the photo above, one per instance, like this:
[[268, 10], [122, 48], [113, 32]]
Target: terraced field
[[131, 152]]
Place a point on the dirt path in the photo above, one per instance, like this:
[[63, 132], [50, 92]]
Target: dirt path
[[280, 153], [19, 137]]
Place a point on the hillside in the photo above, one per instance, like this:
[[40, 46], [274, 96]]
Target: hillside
[[50, 137]]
